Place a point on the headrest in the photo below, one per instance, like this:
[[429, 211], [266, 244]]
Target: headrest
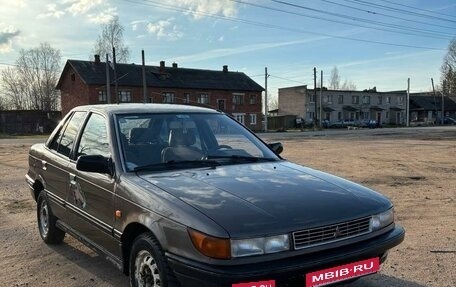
[[181, 137], [140, 135]]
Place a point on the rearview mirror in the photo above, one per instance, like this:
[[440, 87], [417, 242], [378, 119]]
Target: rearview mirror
[[277, 147], [94, 163]]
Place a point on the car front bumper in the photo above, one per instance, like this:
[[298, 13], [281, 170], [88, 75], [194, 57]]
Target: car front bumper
[[190, 273]]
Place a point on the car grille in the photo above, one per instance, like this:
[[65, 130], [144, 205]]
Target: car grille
[[331, 233]]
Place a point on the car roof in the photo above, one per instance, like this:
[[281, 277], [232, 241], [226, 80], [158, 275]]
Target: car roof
[[127, 108]]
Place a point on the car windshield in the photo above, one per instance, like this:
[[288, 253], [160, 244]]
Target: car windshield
[[158, 141]]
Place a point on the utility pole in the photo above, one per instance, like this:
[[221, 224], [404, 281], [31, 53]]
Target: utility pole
[[266, 75], [443, 104], [108, 81], [435, 104], [321, 93], [116, 90], [407, 104], [315, 97], [144, 77]]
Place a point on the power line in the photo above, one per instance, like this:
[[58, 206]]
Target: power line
[[419, 9], [271, 26], [427, 32], [389, 8], [281, 78], [386, 15]]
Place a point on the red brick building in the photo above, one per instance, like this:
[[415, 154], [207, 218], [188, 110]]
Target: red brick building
[[84, 82]]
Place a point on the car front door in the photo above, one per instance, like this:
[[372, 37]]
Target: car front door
[[91, 195], [55, 169]]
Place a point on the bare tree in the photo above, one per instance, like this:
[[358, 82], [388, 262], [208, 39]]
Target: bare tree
[[334, 79], [348, 86], [112, 37], [448, 77], [31, 83]]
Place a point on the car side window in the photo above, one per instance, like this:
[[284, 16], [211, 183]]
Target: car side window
[[64, 141], [94, 139]]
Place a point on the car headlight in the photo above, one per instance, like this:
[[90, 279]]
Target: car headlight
[[257, 246], [382, 220]]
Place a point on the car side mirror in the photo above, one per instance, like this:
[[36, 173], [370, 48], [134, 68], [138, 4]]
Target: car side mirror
[[95, 163], [277, 147]]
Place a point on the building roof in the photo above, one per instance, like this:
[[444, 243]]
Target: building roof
[[94, 73], [431, 103]]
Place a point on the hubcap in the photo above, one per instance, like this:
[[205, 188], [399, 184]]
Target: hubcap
[[44, 218], [146, 270]]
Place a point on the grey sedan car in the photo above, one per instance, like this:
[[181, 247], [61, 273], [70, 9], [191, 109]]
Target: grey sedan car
[[187, 196]]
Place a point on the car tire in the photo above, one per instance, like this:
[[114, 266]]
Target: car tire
[[148, 266], [49, 232]]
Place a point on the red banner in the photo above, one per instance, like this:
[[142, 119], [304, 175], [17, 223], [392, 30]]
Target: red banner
[[270, 283]]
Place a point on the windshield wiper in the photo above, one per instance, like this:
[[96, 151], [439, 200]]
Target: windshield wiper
[[178, 165], [240, 158]]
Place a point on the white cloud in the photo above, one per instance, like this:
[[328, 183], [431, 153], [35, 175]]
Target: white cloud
[[82, 6], [6, 37], [198, 8], [165, 29], [103, 16], [51, 12]]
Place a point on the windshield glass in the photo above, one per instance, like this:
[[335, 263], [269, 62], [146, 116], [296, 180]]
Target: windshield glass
[[161, 141]]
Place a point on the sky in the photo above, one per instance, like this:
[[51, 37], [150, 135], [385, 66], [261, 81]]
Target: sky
[[373, 43]]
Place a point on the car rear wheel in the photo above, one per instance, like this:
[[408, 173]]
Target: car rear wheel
[[49, 232], [148, 267]]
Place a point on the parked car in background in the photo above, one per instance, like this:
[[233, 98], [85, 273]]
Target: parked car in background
[[449, 121], [187, 196], [371, 124]]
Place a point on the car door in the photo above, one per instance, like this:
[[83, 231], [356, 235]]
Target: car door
[[91, 195], [55, 166]]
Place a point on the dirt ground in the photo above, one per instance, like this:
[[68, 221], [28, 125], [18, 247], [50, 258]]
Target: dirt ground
[[417, 171]]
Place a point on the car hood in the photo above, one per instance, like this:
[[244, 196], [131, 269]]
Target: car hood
[[269, 198]]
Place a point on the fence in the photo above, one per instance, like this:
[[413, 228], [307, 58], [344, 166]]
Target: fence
[[28, 122]]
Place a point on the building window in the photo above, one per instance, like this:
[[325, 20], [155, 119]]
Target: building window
[[400, 100], [366, 115], [73, 77], [238, 99], [203, 99], [168, 97], [340, 99], [311, 98], [327, 99], [186, 98], [310, 115], [327, 116], [124, 96], [253, 99], [366, 100], [102, 96], [239, 117], [151, 99], [388, 100], [221, 105], [380, 100], [355, 100], [387, 116], [339, 116], [253, 119]]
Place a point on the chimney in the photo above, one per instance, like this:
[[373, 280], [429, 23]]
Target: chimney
[[174, 65], [97, 58], [162, 66], [225, 68]]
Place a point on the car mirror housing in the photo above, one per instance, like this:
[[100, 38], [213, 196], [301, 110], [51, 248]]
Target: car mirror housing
[[94, 163], [277, 147]]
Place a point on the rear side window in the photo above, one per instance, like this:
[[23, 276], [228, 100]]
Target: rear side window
[[94, 139], [64, 140]]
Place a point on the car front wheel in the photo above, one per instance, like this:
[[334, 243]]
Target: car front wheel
[[49, 232], [148, 267]]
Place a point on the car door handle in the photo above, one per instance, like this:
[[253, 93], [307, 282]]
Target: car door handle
[[72, 179], [44, 164]]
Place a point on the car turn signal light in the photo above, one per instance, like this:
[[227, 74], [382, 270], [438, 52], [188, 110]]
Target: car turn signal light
[[214, 247]]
